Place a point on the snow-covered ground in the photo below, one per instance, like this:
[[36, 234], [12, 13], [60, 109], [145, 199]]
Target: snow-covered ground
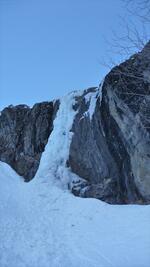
[[43, 225]]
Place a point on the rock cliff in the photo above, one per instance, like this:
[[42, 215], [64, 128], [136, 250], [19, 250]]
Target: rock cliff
[[110, 147], [24, 132]]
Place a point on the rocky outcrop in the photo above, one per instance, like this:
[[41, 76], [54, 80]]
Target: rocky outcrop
[[112, 149], [24, 132], [89, 156], [110, 146], [125, 111]]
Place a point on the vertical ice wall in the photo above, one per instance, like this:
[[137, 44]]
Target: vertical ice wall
[[53, 161]]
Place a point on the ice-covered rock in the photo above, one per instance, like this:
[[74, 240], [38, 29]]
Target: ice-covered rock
[[99, 138]]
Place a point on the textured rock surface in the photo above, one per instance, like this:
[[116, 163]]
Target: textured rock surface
[[126, 100], [24, 133], [89, 154], [110, 148]]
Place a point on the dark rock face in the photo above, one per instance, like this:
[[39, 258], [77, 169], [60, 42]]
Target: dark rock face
[[112, 150], [89, 155], [126, 100], [24, 132]]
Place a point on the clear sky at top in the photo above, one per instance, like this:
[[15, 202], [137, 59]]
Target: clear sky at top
[[51, 47]]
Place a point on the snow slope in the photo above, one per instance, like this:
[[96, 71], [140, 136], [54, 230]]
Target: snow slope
[[43, 225]]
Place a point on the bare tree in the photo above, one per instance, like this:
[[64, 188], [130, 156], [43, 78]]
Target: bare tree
[[141, 8], [136, 32], [129, 84]]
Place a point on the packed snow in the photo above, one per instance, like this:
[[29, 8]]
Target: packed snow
[[43, 225]]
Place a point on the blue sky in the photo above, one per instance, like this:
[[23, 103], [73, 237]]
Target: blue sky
[[51, 47]]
